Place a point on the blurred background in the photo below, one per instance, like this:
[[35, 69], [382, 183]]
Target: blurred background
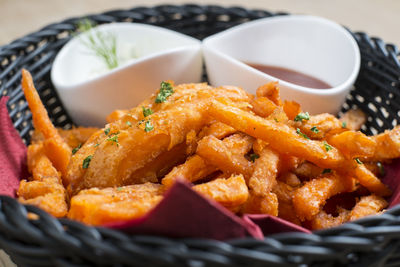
[[376, 17]]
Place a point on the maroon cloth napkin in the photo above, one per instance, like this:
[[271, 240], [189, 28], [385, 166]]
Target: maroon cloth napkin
[[12, 154], [392, 179], [182, 212]]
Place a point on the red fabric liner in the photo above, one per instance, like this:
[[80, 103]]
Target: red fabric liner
[[12, 154], [182, 212]]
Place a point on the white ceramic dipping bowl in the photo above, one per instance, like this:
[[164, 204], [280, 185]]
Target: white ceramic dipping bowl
[[310, 45], [89, 97]]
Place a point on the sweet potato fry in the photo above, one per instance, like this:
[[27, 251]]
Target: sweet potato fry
[[262, 106], [267, 204], [230, 193], [271, 91], [280, 136], [353, 119], [291, 108], [309, 198], [319, 126], [387, 145], [265, 170], [368, 205], [369, 180], [217, 129], [101, 206], [353, 144], [308, 170], [159, 167], [324, 220], [195, 168], [284, 192], [227, 155], [46, 190], [56, 149]]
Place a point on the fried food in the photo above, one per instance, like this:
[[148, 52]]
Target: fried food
[[230, 193], [45, 189], [114, 204], [250, 154], [55, 148], [308, 199]]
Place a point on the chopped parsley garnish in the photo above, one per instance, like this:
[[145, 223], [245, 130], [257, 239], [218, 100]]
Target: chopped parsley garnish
[[96, 145], [114, 139], [165, 91], [76, 149], [301, 134], [147, 111], [380, 168], [148, 126], [276, 119], [314, 130], [86, 162], [344, 124], [107, 131], [358, 161], [253, 157], [326, 171], [327, 146], [302, 116], [119, 188], [129, 123]]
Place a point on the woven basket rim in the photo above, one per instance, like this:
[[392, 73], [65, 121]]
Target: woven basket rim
[[350, 230]]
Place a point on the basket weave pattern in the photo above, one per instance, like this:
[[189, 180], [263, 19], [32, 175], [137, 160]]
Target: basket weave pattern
[[372, 241]]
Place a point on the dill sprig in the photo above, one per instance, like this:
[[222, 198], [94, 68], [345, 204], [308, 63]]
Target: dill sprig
[[101, 44]]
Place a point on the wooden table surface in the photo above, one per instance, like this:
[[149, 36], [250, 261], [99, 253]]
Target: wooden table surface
[[376, 17]]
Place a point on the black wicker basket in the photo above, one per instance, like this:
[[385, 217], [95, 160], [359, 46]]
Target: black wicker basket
[[373, 241]]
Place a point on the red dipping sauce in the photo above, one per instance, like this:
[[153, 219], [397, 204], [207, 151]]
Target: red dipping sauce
[[292, 76]]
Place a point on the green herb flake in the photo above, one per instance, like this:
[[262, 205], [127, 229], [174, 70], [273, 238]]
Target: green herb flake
[[253, 157], [344, 125], [114, 139], [301, 134], [327, 146], [326, 171], [107, 131], [358, 161], [314, 129], [302, 116], [147, 111], [275, 119], [129, 123], [119, 189], [96, 145], [381, 168], [165, 91], [148, 126], [76, 149], [86, 162]]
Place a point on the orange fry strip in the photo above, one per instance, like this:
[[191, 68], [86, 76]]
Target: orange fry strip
[[230, 193], [309, 198], [265, 170], [370, 181], [267, 204], [100, 206], [46, 190], [323, 220], [353, 144], [56, 149], [367, 205], [280, 137], [195, 168], [225, 155]]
